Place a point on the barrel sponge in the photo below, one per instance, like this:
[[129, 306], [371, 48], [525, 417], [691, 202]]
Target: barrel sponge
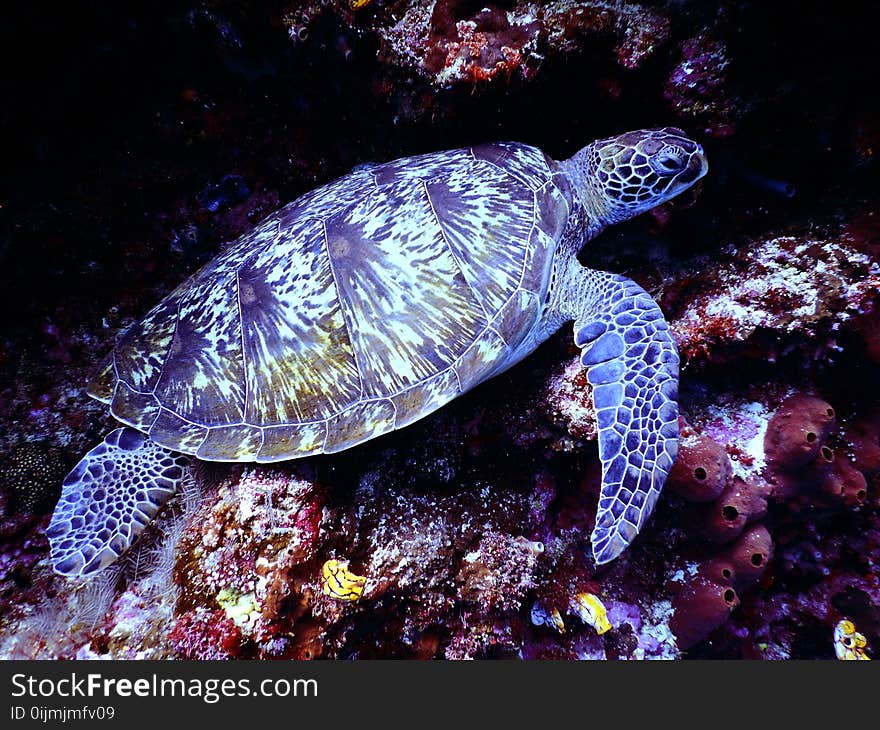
[[788, 484], [750, 554], [699, 608], [702, 470], [740, 504], [797, 431], [867, 325], [845, 484], [864, 435], [718, 570]]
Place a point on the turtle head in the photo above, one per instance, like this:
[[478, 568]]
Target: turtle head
[[636, 171]]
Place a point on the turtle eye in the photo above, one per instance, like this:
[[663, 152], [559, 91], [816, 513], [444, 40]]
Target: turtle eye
[[668, 163]]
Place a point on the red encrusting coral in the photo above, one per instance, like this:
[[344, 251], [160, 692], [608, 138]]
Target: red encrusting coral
[[454, 42], [771, 295], [203, 634]]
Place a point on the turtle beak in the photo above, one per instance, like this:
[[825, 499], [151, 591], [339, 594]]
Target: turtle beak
[[704, 162], [697, 166]]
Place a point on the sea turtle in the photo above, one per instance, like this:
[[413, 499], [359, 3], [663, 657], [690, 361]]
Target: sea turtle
[[372, 301]]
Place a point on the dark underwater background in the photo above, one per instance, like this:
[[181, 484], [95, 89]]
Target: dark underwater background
[[137, 142]]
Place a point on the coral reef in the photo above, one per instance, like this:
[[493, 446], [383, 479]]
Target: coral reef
[[203, 634], [697, 86], [466, 534], [773, 295], [30, 477], [451, 42]]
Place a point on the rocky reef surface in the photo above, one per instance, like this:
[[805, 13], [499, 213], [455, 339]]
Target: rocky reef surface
[[146, 142]]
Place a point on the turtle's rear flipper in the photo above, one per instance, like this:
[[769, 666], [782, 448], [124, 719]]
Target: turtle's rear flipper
[[108, 499], [633, 368]]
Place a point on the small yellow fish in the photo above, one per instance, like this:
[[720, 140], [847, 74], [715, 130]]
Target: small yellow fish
[[591, 611], [849, 644], [553, 619], [340, 583], [358, 4]]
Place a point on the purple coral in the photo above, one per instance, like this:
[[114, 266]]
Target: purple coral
[[697, 86]]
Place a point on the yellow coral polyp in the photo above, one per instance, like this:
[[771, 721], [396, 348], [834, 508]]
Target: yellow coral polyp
[[591, 611], [340, 583], [849, 644], [241, 608]]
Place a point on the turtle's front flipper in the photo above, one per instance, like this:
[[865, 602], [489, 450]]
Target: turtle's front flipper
[[108, 499], [633, 368]]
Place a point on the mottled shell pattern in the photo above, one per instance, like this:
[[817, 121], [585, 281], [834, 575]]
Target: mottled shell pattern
[[361, 307]]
